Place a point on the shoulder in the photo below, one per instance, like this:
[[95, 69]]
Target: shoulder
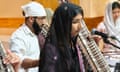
[[101, 27], [19, 31], [50, 48], [22, 32]]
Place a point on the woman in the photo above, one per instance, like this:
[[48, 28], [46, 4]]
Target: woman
[[61, 52], [111, 25]]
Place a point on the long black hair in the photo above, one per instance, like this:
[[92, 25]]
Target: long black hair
[[60, 30]]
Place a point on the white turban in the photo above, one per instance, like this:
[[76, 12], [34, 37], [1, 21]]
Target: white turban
[[33, 9]]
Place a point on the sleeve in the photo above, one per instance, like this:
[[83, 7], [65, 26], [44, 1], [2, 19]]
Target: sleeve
[[48, 59], [18, 46]]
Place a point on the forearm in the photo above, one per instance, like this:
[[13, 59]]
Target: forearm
[[29, 63]]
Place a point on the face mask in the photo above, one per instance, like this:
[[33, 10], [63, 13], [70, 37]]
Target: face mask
[[36, 27]]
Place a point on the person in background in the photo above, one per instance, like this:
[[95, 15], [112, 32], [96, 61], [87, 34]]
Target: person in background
[[111, 26], [61, 52], [49, 13], [24, 41]]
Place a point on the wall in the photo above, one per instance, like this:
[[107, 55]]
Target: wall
[[11, 8], [94, 8], [54, 3]]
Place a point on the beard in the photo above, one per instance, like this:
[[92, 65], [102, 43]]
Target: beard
[[36, 27]]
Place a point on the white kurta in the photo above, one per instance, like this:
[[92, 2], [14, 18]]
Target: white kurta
[[25, 44]]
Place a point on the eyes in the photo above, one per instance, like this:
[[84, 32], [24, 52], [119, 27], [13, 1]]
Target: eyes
[[76, 21], [115, 11]]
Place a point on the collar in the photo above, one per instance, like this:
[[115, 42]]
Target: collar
[[27, 30]]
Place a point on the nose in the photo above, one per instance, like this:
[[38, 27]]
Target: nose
[[117, 14]]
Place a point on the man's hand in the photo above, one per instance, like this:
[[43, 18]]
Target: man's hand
[[12, 58], [29, 63]]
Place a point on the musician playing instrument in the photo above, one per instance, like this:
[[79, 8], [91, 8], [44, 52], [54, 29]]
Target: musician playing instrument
[[111, 26], [24, 41], [61, 52]]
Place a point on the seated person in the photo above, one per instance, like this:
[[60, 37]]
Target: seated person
[[111, 26]]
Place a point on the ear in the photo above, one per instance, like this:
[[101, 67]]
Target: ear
[[31, 19]]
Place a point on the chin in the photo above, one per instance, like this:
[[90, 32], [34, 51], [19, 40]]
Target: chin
[[75, 34]]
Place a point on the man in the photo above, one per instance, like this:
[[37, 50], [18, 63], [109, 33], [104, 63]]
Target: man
[[24, 41]]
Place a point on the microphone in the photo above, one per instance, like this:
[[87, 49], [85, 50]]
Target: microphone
[[103, 35]]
